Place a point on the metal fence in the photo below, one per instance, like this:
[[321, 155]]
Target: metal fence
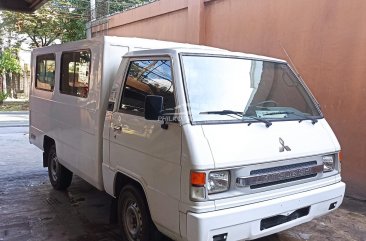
[[104, 8]]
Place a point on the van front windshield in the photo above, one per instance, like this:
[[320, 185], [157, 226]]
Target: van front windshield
[[224, 89]]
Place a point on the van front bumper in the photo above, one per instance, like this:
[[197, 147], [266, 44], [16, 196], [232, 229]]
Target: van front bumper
[[244, 222]]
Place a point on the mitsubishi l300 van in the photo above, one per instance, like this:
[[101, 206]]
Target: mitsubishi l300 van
[[197, 143]]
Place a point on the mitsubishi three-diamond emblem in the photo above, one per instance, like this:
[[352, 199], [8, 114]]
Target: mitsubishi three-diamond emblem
[[283, 147]]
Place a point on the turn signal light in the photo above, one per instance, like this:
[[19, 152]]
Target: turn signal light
[[198, 188], [198, 178], [340, 156]]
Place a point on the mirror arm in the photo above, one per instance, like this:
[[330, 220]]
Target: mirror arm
[[164, 125]]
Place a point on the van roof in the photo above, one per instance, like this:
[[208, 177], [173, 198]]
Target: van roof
[[200, 51], [140, 45], [166, 46]]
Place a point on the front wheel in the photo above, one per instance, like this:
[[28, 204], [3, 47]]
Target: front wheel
[[60, 176], [134, 217]]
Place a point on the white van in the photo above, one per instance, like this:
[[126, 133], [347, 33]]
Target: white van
[[195, 142]]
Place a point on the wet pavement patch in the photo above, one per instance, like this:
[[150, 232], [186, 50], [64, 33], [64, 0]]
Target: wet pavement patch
[[31, 210]]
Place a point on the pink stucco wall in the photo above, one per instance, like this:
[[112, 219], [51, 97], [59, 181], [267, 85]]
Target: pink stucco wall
[[326, 40]]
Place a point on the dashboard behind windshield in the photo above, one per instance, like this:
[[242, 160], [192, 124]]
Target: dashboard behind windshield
[[239, 90]]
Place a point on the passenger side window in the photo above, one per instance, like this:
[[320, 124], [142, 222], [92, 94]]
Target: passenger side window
[[147, 77], [75, 69], [45, 72]]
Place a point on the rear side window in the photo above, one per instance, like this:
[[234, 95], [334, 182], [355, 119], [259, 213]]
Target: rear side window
[[75, 73], [147, 77], [45, 72]]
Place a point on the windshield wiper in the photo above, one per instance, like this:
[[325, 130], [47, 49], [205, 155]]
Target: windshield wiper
[[222, 112], [305, 117], [237, 113], [268, 123]]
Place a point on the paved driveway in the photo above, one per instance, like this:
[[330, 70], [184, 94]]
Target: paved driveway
[[14, 119], [31, 210]]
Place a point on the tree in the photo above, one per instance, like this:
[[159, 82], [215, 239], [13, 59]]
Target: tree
[[63, 20], [55, 20], [9, 62], [75, 27], [10, 66], [118, 6]]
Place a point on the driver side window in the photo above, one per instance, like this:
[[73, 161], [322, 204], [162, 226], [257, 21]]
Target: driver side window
[[147, 77]]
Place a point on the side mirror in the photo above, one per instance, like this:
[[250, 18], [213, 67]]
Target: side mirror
[[153, 107]]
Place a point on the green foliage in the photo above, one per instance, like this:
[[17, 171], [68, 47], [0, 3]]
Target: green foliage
[[77, 17], [54, 20], [118, 6], [9, 62], [58, 19], [3, 96]]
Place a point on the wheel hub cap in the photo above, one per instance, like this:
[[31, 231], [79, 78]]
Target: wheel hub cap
[[133, 220], [54, 167]]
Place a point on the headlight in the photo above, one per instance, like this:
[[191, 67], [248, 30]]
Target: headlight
[[218, 182], [328, 162]]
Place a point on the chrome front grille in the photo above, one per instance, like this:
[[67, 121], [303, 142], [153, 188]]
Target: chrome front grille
[[280, 174]]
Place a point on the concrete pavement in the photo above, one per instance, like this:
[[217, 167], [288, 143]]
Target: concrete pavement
[[31, 210], [14, 119]]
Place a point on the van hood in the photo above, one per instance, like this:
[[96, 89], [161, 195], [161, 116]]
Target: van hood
[[239, 144]]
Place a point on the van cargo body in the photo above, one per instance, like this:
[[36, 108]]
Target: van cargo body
[[194, 142]]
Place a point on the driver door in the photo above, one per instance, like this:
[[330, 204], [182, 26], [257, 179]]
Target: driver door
[[141, 148]]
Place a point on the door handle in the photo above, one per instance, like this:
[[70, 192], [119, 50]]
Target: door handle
[[117, 128]]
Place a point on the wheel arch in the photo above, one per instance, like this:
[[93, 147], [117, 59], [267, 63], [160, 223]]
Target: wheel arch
[[47, 143], [122, 179]]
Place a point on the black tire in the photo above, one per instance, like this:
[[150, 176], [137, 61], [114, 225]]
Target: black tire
[[134, 217], [60, 176]]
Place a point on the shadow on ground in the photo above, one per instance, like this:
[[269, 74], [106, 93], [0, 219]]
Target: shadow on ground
[[31, 210]]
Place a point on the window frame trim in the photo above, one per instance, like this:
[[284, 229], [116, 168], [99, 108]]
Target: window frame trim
[[61, 65], [36, 72]]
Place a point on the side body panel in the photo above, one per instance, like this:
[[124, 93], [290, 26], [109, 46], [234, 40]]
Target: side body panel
[[76, 123], [70, 121]]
